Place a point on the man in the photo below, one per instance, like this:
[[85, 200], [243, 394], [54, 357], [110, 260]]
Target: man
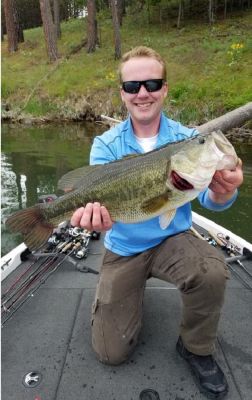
[[134, 252]]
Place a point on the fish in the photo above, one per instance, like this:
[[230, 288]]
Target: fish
[[135, 188]]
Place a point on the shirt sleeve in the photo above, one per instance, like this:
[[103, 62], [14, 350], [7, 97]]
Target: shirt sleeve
[[100, 152], [206, 202]]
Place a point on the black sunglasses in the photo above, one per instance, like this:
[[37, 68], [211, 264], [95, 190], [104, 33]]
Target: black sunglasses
[[151, 85]]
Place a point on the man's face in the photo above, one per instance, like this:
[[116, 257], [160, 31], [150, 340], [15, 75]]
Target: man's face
[[144, 107]]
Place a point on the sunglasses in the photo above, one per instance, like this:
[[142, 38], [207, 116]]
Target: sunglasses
[[151, 85]]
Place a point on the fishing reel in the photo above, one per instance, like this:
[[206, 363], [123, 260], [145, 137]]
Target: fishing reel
[[54, 239], [71, 240]]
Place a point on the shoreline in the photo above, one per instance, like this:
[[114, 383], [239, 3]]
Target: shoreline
[[236, 135]]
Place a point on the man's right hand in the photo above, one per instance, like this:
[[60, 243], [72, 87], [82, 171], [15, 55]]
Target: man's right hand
[[92, 217]]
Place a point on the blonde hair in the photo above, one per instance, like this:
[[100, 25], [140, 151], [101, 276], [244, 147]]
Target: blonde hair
[[142, 51]]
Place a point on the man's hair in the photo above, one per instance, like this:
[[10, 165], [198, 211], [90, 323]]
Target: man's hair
[[142, 51]]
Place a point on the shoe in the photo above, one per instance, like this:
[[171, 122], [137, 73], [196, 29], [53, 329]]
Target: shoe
[[208, 375]]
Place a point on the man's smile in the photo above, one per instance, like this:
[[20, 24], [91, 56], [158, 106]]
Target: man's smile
[[143, 105]]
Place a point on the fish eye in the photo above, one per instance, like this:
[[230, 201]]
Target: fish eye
[[201, 140]]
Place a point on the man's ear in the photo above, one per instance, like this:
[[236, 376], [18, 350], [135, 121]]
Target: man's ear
[[166, 89], [122, 94]]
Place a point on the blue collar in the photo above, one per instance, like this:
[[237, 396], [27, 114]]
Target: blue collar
[[130, 138]]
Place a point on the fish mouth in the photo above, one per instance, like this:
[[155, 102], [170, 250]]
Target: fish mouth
[[180, 183]]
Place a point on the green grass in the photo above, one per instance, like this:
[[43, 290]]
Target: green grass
[[203, 80], [40, 107]]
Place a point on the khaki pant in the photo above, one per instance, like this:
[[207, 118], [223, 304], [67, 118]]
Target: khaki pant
[[195, 267]]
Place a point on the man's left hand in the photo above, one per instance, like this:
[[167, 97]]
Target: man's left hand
[[225, 183]]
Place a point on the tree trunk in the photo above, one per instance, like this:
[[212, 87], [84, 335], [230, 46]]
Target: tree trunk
[[2, 29], [49, 30], [56, 17], [11, 27], [180, 11], [117, 37], [225, 9], [232, 119], [210, 11], [120, 10], [19, 29], [91, 26]]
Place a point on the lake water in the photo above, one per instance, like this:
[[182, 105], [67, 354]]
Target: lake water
[[34, 158]]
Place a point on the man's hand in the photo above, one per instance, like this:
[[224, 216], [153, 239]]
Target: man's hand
[[92, 217], [225, 183]]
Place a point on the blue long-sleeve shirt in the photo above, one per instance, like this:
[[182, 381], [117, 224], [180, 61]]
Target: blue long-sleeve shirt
[[129, 239]]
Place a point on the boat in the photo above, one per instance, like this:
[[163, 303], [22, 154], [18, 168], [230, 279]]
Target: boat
[[46, 337]]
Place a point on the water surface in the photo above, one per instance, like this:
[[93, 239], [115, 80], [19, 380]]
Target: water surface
[[34, 158]]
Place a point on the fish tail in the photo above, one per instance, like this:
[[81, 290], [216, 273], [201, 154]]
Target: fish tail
[[32, 224]]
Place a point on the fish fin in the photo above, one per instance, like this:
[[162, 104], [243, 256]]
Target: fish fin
[[32, 225], [156, 203], [70, 180], [166, 218]]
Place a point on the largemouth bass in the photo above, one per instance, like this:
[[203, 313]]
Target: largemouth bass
[[134, 189]]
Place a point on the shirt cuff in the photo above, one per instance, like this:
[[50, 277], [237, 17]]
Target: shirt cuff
[[208, 203]]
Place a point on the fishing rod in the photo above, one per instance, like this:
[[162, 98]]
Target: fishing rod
[[14, 288], [24, 273], [12, 311], [16, 292], [234, 253], [28, 282], [41, 268], [69, 242]]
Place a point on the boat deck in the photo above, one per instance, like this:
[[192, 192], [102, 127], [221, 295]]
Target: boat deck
[[51, 335]]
